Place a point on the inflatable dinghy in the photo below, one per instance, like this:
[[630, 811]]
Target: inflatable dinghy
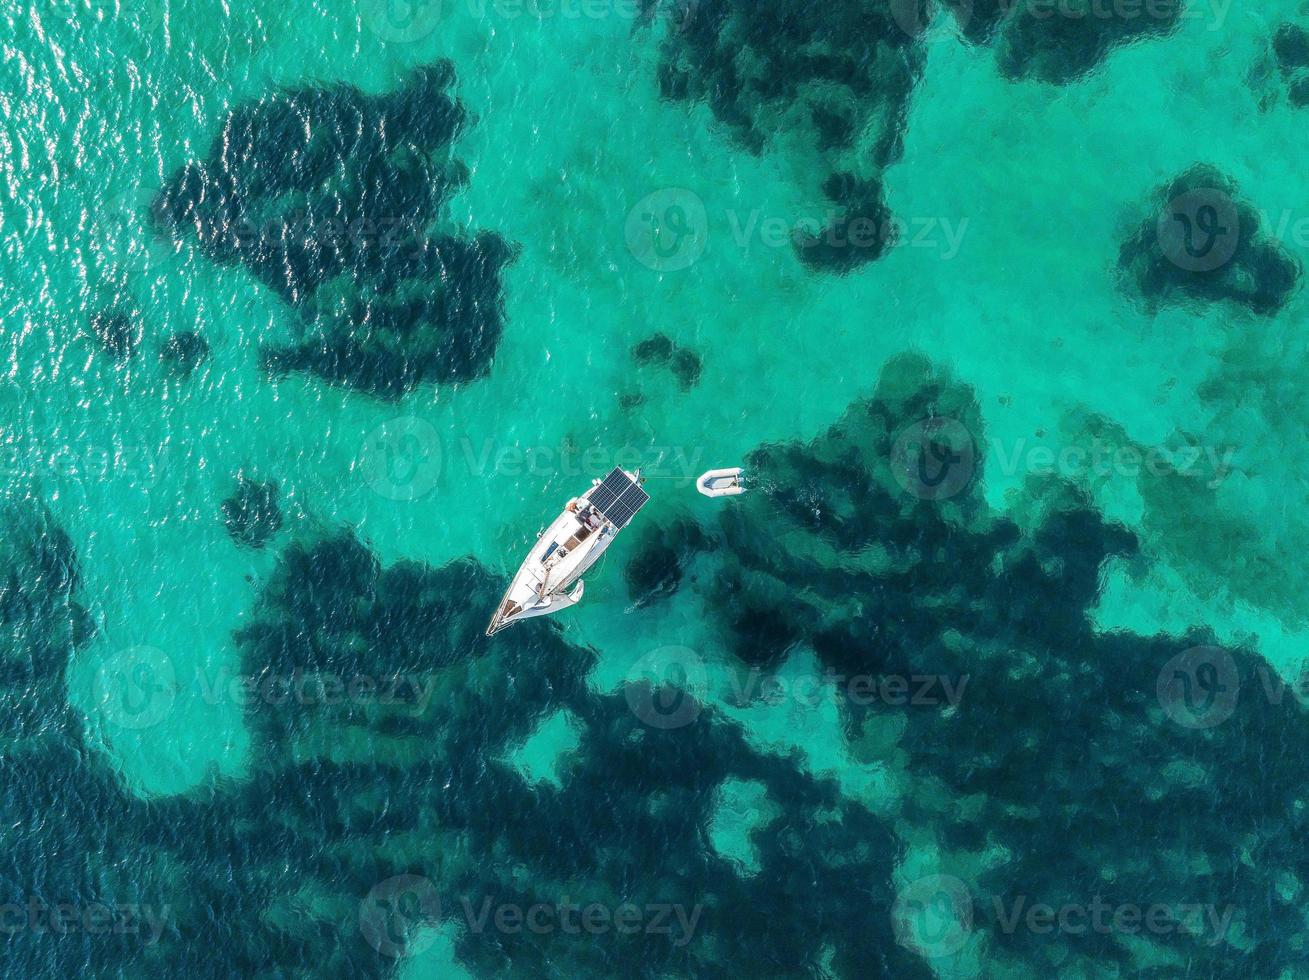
[[721, 483]]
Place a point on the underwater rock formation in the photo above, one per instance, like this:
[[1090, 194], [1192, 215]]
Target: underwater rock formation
[[660, 557], [183, 352], [69, 828], [684, 363], [840, 73], [832, 552], [117, 331], [385, 752], [395, 758], [326, 195], [42, 621], [655, 349], [862, 232], [757, 63], [1061, 42], [1204, 242], [251, 514], [432, 768], [686, 367], [1291, 49]]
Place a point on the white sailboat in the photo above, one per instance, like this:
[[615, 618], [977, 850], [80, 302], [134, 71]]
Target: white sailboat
[[568, 547]]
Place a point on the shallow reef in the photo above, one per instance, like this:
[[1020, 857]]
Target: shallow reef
[[661, 555], [1060, 43], [118, 332], [832, 553], [860, 234], [183, 352], [841, 74], [332, 607], [327, 195], [69, 825], [41, 618], [1290, 47], [251, 514], [1202, 241], [660, 349], [833, 82], [280, 870]]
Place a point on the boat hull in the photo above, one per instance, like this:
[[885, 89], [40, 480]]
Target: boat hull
[[565, 551]]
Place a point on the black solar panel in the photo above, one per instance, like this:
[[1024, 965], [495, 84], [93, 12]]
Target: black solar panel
[[618, 498]]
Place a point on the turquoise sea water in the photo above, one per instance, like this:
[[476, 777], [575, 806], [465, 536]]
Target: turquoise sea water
[[913, 715]]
